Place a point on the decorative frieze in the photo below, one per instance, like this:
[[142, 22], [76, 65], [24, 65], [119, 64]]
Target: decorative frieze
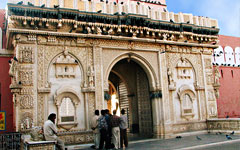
[[32, 37], [229, 124], [76, 137], [186, 127]]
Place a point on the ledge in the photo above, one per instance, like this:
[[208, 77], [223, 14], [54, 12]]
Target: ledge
[[44, 90], [27, 31], [224, 124]]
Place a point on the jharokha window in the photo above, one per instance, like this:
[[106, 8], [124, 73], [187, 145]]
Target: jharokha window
[[66, 101], [66, 111], [187, 104]]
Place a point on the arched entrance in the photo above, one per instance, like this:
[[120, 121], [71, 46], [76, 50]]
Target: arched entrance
[[128, 83]]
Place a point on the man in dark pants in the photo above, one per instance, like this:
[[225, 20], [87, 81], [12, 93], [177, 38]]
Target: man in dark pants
[[103, 127], [109, 136], [123, 129]]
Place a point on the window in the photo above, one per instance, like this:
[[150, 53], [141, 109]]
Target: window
[[222, 73], [66, 100], [232, 73], [66, 111], [187, 98], [187, 104]]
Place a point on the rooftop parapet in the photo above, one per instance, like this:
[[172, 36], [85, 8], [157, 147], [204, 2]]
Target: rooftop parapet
[[129, 7], [101, 20]]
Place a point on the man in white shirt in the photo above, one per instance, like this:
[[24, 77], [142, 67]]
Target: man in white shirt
[[96, 133], [50, 131], [123, 129]]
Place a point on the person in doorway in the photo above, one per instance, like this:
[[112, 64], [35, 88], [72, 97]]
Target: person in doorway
[[109, 131], [103, 128], [115, 122], [50, 131], [123, 129], [96, 133]]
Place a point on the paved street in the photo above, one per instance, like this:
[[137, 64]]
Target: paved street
[[231, 146], [209, 142]]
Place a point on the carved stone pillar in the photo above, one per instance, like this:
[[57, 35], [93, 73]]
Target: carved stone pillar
[[157, 113], [99, 89]]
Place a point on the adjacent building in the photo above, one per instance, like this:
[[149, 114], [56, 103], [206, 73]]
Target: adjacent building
[[226, 58], [6, 103]]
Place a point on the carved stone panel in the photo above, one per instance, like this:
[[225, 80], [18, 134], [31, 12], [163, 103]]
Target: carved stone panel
[[208, 63], [26, 77], [26, 102], [26, 54], [26, 120], [184, 69], [65, 67], [40, 116]]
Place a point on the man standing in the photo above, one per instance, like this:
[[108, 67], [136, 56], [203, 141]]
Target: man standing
[[103, 127], [115, 122], [109, 131], [123, 129], [94, 126], [50, 131]]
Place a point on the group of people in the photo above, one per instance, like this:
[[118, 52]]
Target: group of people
[[109, 130]]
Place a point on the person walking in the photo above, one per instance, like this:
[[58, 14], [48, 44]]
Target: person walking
[[103, 127], [123, 129], [115, 122], [50, 131], [96, 133]]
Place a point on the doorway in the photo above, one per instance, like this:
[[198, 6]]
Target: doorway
[[129, 90]]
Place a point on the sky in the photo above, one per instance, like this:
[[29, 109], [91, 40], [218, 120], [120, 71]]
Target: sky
[[227, 12]]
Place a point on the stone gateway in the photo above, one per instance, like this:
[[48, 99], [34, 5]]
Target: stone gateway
[[152, 63]]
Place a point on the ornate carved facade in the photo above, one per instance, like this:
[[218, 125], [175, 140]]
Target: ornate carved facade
[[65, 64]]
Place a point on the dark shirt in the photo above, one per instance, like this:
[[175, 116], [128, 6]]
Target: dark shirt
[[107, 117], [115, 121]]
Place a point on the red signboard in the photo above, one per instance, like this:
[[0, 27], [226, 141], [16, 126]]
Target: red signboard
[[2, 120]]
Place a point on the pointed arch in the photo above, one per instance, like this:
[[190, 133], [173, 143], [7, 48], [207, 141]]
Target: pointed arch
[[152, 78]]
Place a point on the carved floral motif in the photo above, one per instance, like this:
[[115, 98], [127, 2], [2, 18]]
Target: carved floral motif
[[26, 102]]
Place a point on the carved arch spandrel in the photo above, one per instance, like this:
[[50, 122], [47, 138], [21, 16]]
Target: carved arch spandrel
[[174, 58], [46, 55]]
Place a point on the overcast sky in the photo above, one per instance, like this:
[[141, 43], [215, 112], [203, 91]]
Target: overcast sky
[[227, 12]]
